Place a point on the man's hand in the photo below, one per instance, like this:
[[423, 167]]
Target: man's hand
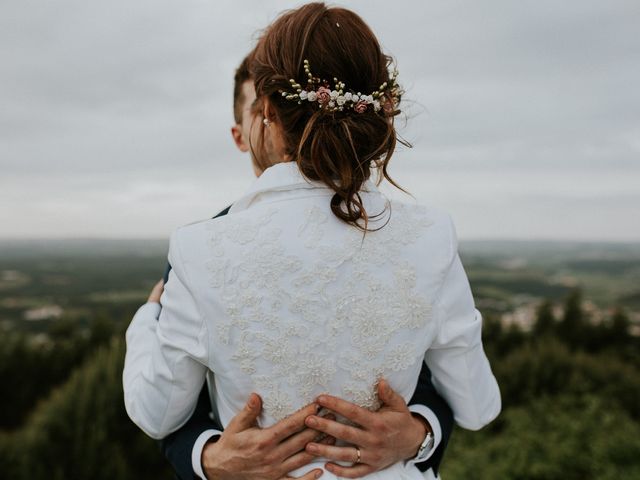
[[390, 435], [156, 292], [245, 451]]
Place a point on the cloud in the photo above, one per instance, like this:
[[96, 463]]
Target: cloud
[[518, 109]]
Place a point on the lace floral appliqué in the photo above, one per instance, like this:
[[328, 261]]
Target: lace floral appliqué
[[297, 317]]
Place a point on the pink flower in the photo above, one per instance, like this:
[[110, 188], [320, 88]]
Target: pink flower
[[360, 107], [324, 95]]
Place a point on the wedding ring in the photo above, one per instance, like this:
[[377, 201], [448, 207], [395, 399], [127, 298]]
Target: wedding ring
[[357, 457]]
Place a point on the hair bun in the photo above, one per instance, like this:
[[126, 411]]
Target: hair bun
[[334, 140]]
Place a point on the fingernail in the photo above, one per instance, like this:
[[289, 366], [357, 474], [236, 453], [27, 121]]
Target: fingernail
[[313, 448], [252, 401], [322, 399], [312, 422], [318, 473]]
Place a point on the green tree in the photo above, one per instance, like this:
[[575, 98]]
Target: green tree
[[82, 431], [565, 437], [548, 368], [619, 328], [571, 329], [545, 321], [101, 330]]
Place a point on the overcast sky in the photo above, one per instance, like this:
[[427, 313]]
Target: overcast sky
[[524, 115]]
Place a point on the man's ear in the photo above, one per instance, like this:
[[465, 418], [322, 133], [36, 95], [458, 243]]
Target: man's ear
[[236, 133]]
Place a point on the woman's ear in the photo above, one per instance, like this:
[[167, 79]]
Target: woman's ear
[[273, 134], [267, 111]]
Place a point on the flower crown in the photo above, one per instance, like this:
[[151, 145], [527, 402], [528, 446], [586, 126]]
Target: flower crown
[[317, 90]]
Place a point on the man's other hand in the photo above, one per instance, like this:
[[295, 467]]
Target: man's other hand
[[247, 452], [156, 292]]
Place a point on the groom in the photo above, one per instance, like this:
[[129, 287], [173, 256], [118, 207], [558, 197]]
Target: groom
[[199, 449]]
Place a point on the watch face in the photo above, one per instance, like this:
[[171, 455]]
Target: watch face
[[426, 447], [429, 444]]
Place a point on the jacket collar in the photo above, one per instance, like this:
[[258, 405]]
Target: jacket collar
[[277, 178], [282, 177]]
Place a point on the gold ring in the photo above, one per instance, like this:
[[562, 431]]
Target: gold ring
[[358, 456]]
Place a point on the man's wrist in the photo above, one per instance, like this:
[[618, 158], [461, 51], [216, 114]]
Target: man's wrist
[[431, 422], [422, 428], [208, 452], [202, 444]]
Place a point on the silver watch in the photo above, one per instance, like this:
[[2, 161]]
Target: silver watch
[[425, 448]]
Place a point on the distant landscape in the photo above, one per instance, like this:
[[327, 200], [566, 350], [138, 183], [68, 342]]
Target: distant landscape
[[562, 328], [44, 280]]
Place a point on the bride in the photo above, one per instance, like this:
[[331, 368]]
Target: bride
[[314, 282]]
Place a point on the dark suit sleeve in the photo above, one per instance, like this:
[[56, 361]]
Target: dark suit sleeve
[[427, 395], [178, 446]]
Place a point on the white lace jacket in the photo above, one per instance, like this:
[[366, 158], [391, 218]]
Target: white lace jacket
[[281, 298]]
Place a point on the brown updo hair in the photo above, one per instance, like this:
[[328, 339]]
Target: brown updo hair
[[338, 148]]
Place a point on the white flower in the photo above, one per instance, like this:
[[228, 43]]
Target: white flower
[[348, 96], [341, 100], [334, 94], [332, 104], [312, 96], [303, 95], [355, 98], [376, 105], [369, 98]]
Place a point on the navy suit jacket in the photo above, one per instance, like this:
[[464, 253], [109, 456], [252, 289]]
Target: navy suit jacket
[[178, 446]]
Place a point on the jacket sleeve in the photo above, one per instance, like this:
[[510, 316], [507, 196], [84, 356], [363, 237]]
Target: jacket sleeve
[[179, 446], [165, 362], [460, 368]]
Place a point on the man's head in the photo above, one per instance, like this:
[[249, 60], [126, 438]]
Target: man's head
[[244, 96], [242, 77], [247, 132]]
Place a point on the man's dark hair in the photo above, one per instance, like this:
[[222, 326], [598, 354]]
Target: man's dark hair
[[241, 76]]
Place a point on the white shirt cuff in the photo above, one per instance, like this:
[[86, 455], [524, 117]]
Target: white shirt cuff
[[198, 447], [430, 417]]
